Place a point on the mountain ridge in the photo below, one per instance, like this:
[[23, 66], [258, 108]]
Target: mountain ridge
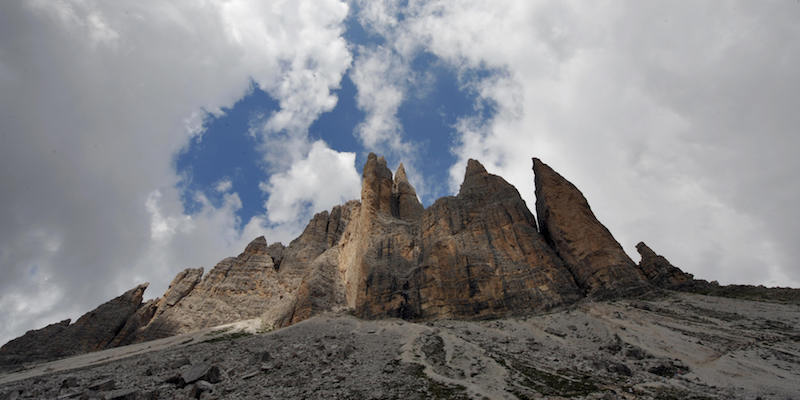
[[476, 255]]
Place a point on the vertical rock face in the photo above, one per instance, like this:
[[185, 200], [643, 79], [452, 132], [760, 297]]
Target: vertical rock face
[[482, 255], [659, 271], [598, 263], [474, 255], [380, 248], [377, 185], [310, 268]]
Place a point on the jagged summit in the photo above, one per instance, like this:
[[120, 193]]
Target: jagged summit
[[474, 167], [405, 203], [479, 254]]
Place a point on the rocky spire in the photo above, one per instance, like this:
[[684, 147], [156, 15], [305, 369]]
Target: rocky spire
[[376, 186], [476, 180], [257, 246], [597, 261], [404, 197]]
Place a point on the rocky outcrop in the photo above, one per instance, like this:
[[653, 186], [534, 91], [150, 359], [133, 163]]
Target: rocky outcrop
[[379, 248], [275, 251], [597, 261], [478, 254], [482, 255], [94, 330], [181, 285], [237, 288], [97, 328], [474, 255], [143, 315], [279, 284], [659, 271], [32, 346]]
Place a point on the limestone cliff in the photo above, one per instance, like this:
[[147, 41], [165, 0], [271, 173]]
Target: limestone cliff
[[481, 255], [478, 254]]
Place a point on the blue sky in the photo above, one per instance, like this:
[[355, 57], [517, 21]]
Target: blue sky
[[227, 149], [140, 138]]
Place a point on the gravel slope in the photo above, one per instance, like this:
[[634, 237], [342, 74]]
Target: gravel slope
[[674, 346]]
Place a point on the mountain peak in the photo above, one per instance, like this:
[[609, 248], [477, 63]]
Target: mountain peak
[[474, 167], [472, 256], [400, 174]]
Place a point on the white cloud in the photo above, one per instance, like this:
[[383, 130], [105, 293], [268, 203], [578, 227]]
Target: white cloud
[[95, 100], [676, 122], [320, 181], [306, 60], [223, 185], [380, 76]]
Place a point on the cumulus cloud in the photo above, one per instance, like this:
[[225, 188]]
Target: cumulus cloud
[[380, 77], [677, 122], [223, 185], [96, 98], [320, 181]]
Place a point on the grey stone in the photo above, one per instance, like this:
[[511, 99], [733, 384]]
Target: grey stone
[[104, 385], [210, 373], [123, 394]]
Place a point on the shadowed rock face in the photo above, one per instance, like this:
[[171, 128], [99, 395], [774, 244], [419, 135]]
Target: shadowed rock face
[[94, 330], [597, 261], [404, 197], [659, 271], [475, 255]]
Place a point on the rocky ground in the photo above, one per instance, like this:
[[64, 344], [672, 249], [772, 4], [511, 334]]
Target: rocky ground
[[669, 346]]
